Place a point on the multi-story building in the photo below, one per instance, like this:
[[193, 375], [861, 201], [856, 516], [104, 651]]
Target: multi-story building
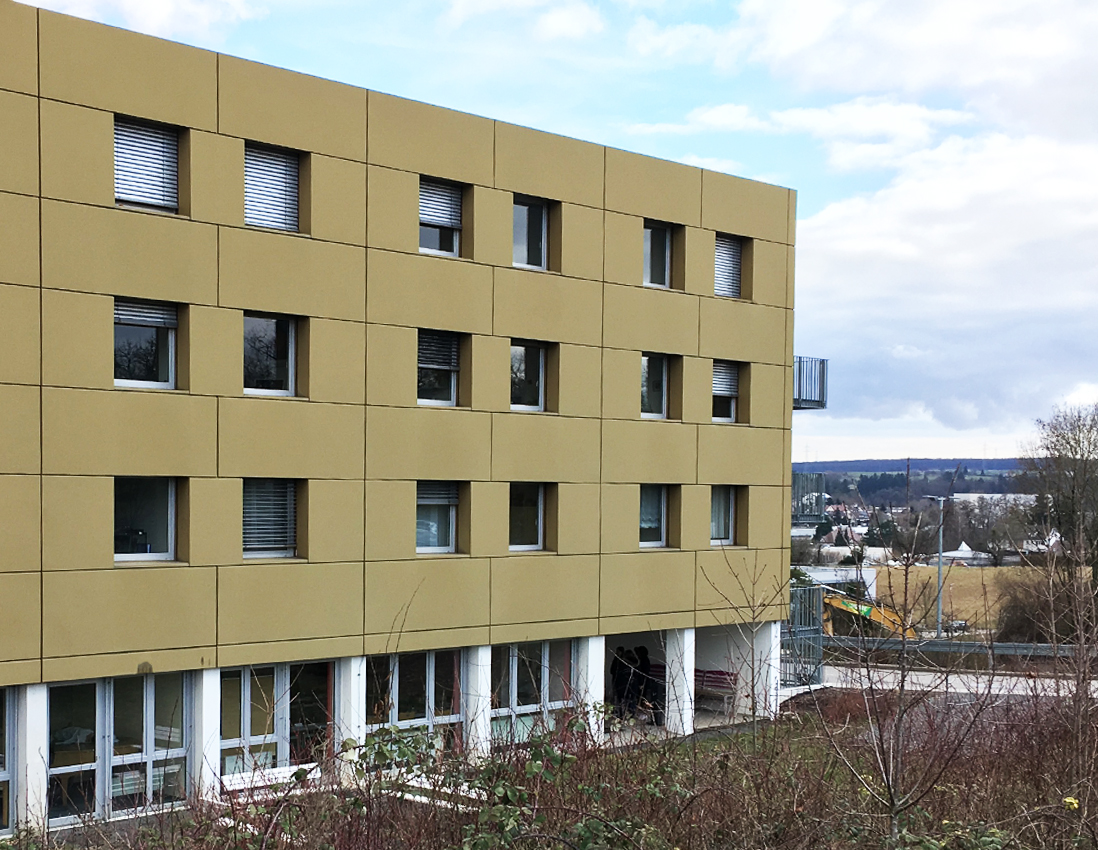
[[323, 409]]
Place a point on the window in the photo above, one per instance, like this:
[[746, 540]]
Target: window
[[726, 389], [275, 716], [144, 344], [436, 516], [270, 187], [438, 368], [144, 519], [531, 232], [527, 516], [270, 518], [527, 375], [727, 266], [657, 253], [654, 382], [7, 752], [269, 353], [145, 721], [146, 164], [439, 218], [531, 685], [653, 515], [416, 689], [722, 523]]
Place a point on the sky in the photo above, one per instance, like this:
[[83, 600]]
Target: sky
[[944, 152]]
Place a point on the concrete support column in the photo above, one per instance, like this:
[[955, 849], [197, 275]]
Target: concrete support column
[[476, 698], [350, 700], [679, 714], [768, 658], [590, 681], [206, 744], [32, 753]]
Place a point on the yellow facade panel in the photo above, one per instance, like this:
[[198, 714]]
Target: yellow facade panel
[[748, 579], [128, 253], [392, 209], [429, 292], [742, 207], [487, 385], [428, 444], [317, 649], [19, 47], [297, 439], [530, 162], [645, 623], [77, 339], [336, 206], [698, 263], [21, 614], [209, 521], [280, 107], [128, 610], [77, 522], [19, 672], [621, 384], [769, 273], [619, 515], [578, 519], [20, 523], [127, 663], [390, 520], [430, 140], [730, 454], [89, 432], [211, 178], [427, 594], [737, 330], [544, 587], [335, 361], [538, 305], [652, 582], [387, 642], [19, 245], [19, 141], [649, 319], [297, 601], [391, 353], [276, 273], [767, 516], [334, 522], [210, 351], [579, 380], [653, 188], [19, 423], [623, 249], [695, 514], [487, 226], [649, 451], [697, 389], [483, 519], [19, 335], [77, 153], [767, 392], [581, 241], [536, 447], [552, 630], [128, 73]]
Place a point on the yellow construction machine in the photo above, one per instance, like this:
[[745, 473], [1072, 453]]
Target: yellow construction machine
[[876, 612]]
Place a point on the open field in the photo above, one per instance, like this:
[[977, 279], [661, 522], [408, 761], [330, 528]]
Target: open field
[[968, 593]]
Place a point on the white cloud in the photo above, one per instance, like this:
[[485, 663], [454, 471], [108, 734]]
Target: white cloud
[[462, 10], [572, 20], [167, 18]]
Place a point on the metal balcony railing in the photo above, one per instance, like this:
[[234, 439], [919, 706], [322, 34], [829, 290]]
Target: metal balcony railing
[[809, 499], [809, 383]]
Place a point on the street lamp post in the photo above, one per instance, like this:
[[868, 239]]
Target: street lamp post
[[941, 525]]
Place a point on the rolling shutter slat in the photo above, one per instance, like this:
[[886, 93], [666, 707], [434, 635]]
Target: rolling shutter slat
[[440, 204], [146, 314], [436, 493], [146, 164], [726, 378], [269, 515], [438, 349], [727, 265], [270, 188]]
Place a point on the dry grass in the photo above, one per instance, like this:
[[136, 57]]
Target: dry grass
[[968, 593]]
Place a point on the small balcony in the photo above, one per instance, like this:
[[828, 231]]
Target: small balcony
[[809, 383]]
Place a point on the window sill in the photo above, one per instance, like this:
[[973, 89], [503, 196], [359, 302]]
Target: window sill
[[274, 559], [248, 391], [430, 252], [133, 206], [149, 562], [420, 553]]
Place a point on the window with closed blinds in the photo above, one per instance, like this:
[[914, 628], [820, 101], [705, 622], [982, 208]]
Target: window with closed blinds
[[439, 204], [146, 164], [726, 378], [270, 517], [728, 264], [438, 349], [270, 187], [146, 314]]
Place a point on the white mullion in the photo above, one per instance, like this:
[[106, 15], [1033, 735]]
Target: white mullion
[[282, 714], [429, 685], [246, 717], [104, 728], [394, 688], [148, 744], [512, 697]]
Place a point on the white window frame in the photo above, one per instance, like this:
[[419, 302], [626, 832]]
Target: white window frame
[[511, 710], [730, 540], [662, 542], [735, 398], [647, 355], [291, 354], [542, 361], [171, 354], [289, 552], [172, 519], [540, 545], [456, 231], [451, 547], [526, 201], [430, 721], [8, 773], [649, 227], [96, 765]]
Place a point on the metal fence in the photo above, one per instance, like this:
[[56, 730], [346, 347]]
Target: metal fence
[[809, 383], [802, 637], [809, 499]]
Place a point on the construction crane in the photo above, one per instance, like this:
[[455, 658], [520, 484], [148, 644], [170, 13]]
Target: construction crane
[[874, 611]]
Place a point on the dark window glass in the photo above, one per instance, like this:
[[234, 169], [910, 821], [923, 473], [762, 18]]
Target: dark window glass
[[412, 686], [72, 742], [377, 689], [527, 378], [142, 354], [142, 516], [310, 711], [268, 349], [529, 233], [526, 515], [230, 705], [724, 407], [447, 682], [654, 384], [652, 514], [528, 677], [434, 238], [657, 254], [501, 676]]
